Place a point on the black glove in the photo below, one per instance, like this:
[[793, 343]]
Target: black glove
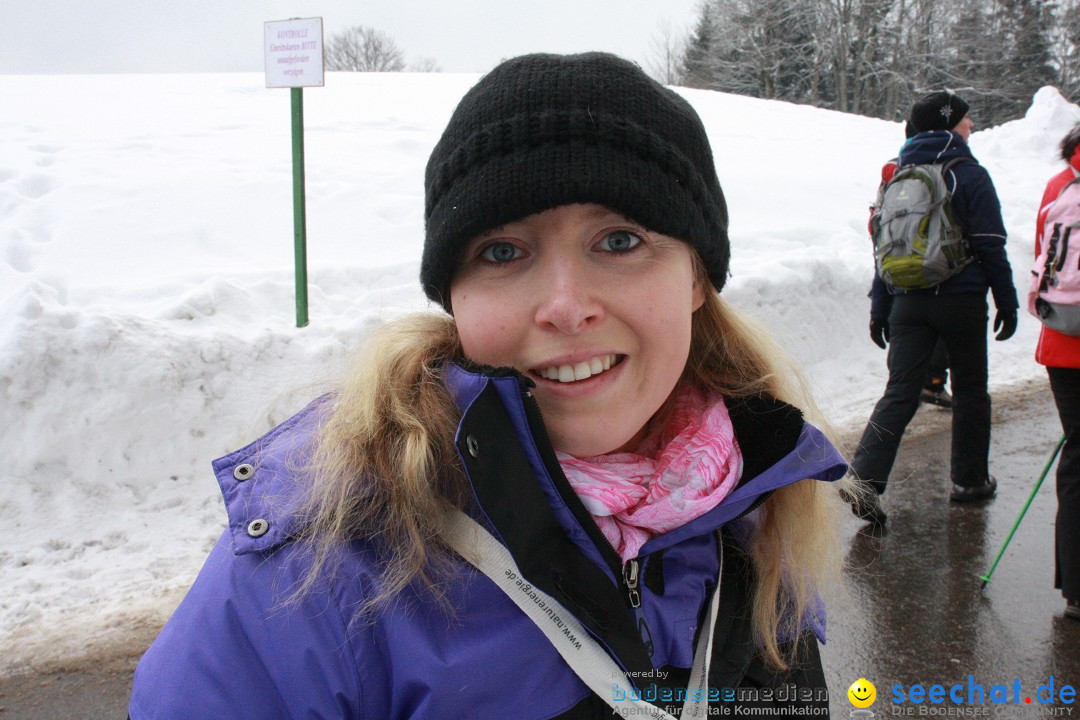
[[879, 331], [1006, 320]]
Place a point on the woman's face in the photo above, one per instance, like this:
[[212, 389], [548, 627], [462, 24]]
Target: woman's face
[[595, 309]]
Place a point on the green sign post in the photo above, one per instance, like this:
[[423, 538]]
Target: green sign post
[[299, 207], [294, 59]]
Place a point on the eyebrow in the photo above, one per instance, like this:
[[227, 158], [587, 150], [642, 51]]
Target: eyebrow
[[492, 231]]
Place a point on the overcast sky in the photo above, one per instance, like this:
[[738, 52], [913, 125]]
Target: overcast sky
[[105, 36]]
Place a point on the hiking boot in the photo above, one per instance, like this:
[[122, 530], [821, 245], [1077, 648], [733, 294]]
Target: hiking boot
[[1072, 609], [940, 397], [867, 507], [970, 493]]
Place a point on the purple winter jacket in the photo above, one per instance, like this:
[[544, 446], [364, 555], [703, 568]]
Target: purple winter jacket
[[234, 650]]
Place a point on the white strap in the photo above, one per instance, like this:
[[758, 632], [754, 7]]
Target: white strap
[[581, 652]]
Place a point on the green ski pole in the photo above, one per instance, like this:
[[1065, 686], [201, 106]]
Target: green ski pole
[[1053, 456]]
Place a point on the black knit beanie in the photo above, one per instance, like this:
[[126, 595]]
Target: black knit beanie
[[940, 110], [540, 131]]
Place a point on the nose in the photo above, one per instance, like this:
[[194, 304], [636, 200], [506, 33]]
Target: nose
[[566, 299]]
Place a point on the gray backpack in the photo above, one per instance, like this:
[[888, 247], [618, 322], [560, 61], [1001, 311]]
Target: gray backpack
[[917, 241]]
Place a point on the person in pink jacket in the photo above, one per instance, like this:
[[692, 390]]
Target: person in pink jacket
[[1060, 354]]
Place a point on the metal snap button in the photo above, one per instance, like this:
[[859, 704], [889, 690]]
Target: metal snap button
[[473, 445], [243, 472], [257, 528]]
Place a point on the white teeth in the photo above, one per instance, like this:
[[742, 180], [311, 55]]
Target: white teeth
[[580, 371]]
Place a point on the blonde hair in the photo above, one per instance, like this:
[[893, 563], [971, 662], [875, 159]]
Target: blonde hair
[[794, 547], [385, 467]]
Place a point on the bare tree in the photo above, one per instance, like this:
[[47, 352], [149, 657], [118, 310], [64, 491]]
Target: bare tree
[[666, 56], [363, 49], [425, 64]]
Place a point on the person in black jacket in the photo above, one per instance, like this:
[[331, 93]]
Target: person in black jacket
[[934, 392], [910, 322]]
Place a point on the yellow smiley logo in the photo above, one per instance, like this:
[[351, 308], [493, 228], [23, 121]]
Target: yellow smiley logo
[[862, 693]]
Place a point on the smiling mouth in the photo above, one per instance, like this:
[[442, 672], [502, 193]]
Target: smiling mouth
[[580, 371]]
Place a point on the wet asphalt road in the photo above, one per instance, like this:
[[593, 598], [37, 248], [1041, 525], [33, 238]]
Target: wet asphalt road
[[910, 609]]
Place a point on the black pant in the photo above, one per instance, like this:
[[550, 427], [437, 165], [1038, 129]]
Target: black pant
[[939, 368], [1065, 383], [915, 324]]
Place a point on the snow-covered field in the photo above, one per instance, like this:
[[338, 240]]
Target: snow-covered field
[[147, 320]]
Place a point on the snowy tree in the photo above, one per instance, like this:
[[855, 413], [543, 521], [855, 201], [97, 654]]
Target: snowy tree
[[1065, 48], [1030, 63], [762, 48], [855, 34], [1003, 55], [774, 41], [874, 57], [908, 57], [974, 66], [697, 62]]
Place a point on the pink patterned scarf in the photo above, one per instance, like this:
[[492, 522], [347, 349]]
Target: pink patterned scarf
[[680, 472]]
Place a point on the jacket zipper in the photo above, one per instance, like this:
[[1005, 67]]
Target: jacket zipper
[[543, 442], [631, 571]]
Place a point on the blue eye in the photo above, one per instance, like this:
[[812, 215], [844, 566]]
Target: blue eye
[[500, 252], [620, 241]]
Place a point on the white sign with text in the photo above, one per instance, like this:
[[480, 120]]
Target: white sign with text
[[294, 53]]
